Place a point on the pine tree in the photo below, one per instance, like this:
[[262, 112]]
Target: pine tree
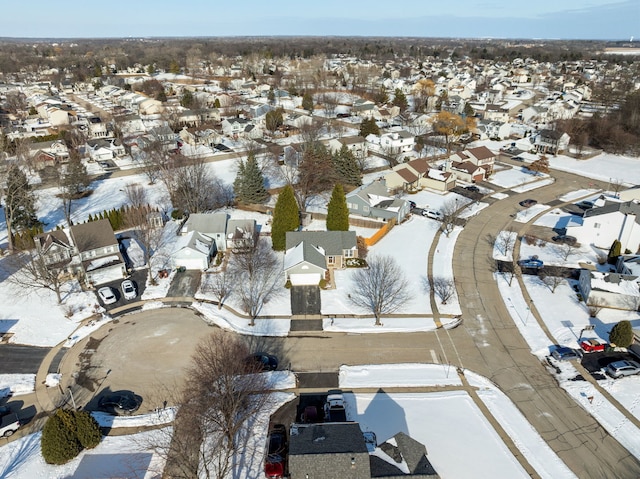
[[286, 217], [307, 101], [614, 252], [346, 167], [400, 100], [369, 127], [59, 443], [621, 334], [216, 103], [238, 184], [19, 203], [337, 211]]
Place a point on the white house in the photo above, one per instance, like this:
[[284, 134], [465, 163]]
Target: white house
[[397, 141], [614, 289], [193, 251], [601, 226]]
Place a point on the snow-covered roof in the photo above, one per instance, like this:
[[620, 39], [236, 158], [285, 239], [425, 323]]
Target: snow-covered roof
[[613, 283]]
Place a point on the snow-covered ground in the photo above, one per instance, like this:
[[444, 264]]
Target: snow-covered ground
[[40, 321]]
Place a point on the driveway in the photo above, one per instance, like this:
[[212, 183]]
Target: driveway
[[185, 284], [139, 279], [21, 359], [305, 300]]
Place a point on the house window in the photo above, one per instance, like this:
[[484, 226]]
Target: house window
[[331, 260], [348, 253]]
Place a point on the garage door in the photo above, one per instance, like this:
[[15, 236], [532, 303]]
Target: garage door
[[304, 279], [191, 263]]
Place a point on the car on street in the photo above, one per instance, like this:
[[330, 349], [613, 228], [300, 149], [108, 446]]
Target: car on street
[[592, 345], [618, 369], [563, 353], [274, 464], [533, 263], [472, 188], [120, 403], [128, 289], [528, 203], [267, 362], [564, 239], [9, 424], [107, 295], [433, 214]]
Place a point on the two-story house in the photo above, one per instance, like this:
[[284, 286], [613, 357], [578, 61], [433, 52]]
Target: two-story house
[[56, 250], [100, 260], [481, 156], [551, 141], [397, 141], [375, 201]]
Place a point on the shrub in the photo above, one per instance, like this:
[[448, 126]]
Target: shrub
[[177, 214], [622, 334], [288, 284], [87, 429], [66, 433], [323, 283], [59, 443]]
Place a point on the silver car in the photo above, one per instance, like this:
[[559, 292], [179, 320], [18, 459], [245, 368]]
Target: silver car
[[618, 369], [128, 289], [107, 295]]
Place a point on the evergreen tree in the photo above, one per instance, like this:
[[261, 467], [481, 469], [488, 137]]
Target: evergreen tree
[[187, 99], [76, 180], [216, 103], [249, 184], [59, 443], [286, 217], [19, 203], [337, 211], [621, 334], [369, 127], [87, 429], [614, 252], [346, 167], [400, 100], [307, 101]]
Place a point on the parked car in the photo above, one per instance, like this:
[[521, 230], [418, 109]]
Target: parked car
[[565, 239], [268, 362], [528, 203], [563, 353], [10, 424], [274, 464], [472, 188], [334, 407], [412, 204], [128, 289], [585, 205], [592, 345], [107, 295], [435, 215], [617, 369], [533, 263], [4, 411], [310, 415], [120, 402]]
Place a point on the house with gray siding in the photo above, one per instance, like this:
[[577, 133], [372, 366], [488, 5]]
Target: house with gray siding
[[375, 201]]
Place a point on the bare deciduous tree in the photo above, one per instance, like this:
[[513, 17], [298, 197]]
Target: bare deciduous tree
[[505, 241], [381, 287], [220, 284], [136, 195], [34, 274], [567, 250], [222, 397], [443, 288], [595, 305], [449, 212], [259, 275], [552, 276]]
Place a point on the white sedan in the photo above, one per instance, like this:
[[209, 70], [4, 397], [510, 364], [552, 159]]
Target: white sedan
[[107, 295], [128, 289]]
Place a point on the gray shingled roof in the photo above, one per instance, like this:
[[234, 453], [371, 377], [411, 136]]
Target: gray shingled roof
[[327, 439], [92, 235], [627, 208], [332, 242]]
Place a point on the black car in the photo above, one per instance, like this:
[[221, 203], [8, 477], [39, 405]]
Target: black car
[[120, 402], [4, 411], [565, 239], [268, 362], [472, 188], [528, 202]]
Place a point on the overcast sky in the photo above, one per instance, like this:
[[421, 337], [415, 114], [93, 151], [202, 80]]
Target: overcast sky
[[550, 19]]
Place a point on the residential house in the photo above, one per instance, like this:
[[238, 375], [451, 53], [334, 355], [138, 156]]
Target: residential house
[[212, 225], [364, 108], [493, 129], [397, 141], [193, 251], [48, 153], [374, 201], [240, 128], [165, 136], [465, 171], [551, 141], [298, 120], [356, 144], [56, 250], [310, 253], [97, 129], [615, 290], [240, 234], [339, 450], [99, 252], [601, 226], [105, 149], [480, 156], [328, 451]]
